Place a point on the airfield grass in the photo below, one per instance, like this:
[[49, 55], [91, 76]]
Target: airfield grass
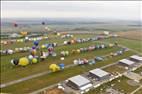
[[121, 86], [12, 73], [46, 80], [9, 72], [115, 68], [130, 43], [138, 70]]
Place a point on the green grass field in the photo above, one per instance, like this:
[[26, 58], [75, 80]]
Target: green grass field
[[43, 81], [115, 68], [130, 43], [121, 86], [19, 72], [10, 73]]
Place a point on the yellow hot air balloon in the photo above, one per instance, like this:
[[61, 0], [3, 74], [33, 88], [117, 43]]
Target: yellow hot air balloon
[[54, 67], [43, 46], [33, 52], [78, 50], [23, 61], [111, 45], [23, 33], [72, 41], [34, 60]]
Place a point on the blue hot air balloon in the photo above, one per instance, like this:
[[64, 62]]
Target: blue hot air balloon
[[62, 66], [36, 43]]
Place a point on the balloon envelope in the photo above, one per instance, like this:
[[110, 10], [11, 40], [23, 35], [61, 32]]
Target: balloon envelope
[[30, 57], [34, 60], [36, 43], [15, 61], [23, 61], [62, 65], [54, 67]]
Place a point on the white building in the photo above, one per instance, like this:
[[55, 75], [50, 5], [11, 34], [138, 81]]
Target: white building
[[126, 62], [136, 58], [79, 83], [99, 74]]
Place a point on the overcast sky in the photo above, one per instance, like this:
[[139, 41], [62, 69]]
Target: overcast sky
[[60, 9]]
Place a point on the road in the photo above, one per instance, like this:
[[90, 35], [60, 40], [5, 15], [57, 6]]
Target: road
[[136, 90]]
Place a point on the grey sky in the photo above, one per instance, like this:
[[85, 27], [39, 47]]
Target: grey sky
[[84, 9]]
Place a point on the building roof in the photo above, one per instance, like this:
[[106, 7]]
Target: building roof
[[136, 57], [99, 72], [126, 61], [79, 80]]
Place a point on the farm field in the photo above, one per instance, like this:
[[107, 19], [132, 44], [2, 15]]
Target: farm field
[[136, 35]]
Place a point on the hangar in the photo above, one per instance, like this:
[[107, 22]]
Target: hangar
[[99, 74]]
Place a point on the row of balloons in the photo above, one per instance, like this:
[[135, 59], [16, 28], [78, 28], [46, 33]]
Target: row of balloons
[[25, 61]]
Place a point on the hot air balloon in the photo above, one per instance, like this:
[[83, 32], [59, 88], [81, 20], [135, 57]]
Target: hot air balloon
[[36, 43], [15, 24], [34, 60], [23, 61], [30, 57], [14, 61], [43, 23], [62, 66], [33, 52], [54, 67], [23, 33]]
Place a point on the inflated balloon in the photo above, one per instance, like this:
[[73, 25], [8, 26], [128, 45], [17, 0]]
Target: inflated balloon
[[75, 62], [43, 46], [78, 50], [54, 67], [85, 61], [111, 45], [72, 41], [20, 49], [26, 38], [65, 42], [58, 34], [16, 49], [33, 47], [67, 52], [50, 49], [73, 51], [30, 57], [33, 52], [34, 60], [43, 23], [15, 24], [15, 61], [24, 33], [62, 58], [23, 61], [62, 66], [10, 51], [36, 43], [92, 61]]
